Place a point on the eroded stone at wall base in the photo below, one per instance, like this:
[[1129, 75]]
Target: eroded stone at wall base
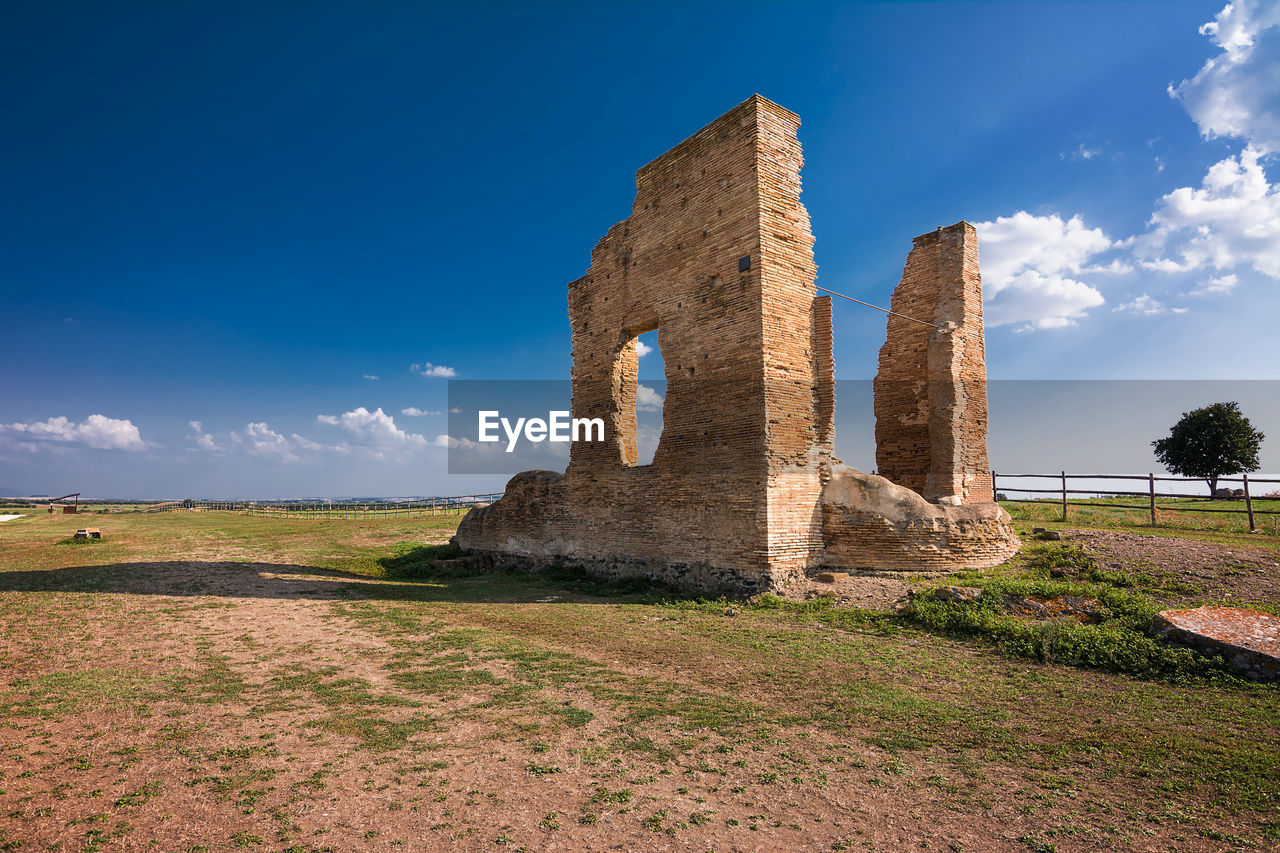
[[873, 525], [538, 522], [695, 579], [870, 525]]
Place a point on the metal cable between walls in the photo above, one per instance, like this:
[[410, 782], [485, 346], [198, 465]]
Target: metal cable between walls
[[885, 310]]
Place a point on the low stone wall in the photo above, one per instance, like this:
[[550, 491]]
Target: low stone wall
[[536, 523], [871, 524], [693, 579]]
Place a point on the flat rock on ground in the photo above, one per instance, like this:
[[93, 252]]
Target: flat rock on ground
[[1248, 639], [849, 590]]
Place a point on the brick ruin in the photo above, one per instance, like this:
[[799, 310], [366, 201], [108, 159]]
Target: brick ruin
[[931, 389], [745, 493]]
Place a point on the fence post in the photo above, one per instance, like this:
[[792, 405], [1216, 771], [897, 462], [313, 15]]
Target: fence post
[[994, 490], [1064, 495], [1248, 501], [1151, 490]]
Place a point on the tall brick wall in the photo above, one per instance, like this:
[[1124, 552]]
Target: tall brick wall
[[930, 390], [717, 256]]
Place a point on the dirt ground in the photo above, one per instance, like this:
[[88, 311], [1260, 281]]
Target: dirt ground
[[1205, 570], [230, 699], [1242, 572]]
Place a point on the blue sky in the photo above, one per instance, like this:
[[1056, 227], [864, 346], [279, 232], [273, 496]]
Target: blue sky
[[220, 221]]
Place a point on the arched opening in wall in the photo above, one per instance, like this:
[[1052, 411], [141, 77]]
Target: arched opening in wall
[[651, 392]]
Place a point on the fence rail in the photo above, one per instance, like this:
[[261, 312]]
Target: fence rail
[[1063, 493]]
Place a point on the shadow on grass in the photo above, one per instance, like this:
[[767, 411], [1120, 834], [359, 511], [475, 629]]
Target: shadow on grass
[[410, 576]]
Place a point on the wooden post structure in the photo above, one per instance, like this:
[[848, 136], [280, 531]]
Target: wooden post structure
[[1064, 495], [1248, 502], [1151, 490]]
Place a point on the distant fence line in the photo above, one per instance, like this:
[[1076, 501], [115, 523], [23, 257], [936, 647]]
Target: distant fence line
[[1062, 493], [350, 509], [286, 509]]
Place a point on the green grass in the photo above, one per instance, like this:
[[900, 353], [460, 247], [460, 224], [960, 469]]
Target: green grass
[[1210, 525], [1119, 641]]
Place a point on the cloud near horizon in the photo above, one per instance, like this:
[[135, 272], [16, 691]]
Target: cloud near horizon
[[375, 433], [98, 432], [368, 434], [257, 438]]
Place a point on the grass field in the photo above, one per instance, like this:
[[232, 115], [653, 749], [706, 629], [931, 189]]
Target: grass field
[[1171, 514], [211, 681]]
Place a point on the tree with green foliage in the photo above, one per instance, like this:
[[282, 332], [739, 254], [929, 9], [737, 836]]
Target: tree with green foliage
[[1212, 442]]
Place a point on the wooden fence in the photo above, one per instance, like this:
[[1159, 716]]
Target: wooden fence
[[1062, 493]]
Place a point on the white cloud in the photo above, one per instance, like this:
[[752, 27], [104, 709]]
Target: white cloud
[[642, 349], [1232, 219], [1082, 152], [1028, 264], [430, 369], [415, 412], [464, 443], [375, 433], [1221, 284], [647, 399], [1143, 306], [1116, 267], [203, 440], [1033, 266], [262, 440], [259, 439], [647, 439], [1166, 265], [370, 376], [1237, 92], [455, 411], [1048, 323], [96, 431]]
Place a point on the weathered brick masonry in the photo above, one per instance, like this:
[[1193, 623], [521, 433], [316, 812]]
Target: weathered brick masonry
[[931, 389], [717, 256]]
